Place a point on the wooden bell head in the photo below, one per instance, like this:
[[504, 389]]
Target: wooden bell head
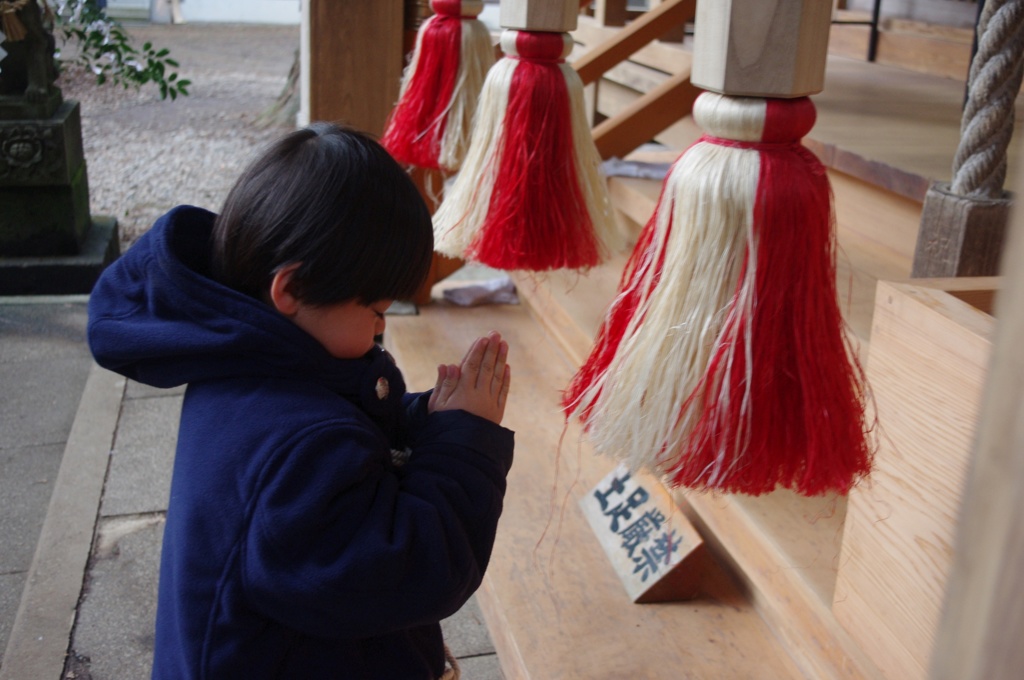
[[555, 16], [761, 48]]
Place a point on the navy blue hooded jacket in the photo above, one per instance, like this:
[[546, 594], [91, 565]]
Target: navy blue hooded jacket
[[294, 546]]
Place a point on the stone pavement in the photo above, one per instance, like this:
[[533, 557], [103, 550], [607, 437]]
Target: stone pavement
[[84, 478]]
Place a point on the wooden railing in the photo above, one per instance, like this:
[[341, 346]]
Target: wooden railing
[[657, 109]]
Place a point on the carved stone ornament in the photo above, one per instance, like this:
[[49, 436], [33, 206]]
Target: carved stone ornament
[[28, 151]]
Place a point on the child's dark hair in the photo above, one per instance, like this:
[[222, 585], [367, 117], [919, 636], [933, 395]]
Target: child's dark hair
[[333, 199]]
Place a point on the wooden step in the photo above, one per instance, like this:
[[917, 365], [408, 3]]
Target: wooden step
[[553, 603], [784, 548], [932, 49]]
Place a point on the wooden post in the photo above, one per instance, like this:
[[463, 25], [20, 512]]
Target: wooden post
[[554, 16], [959, 235], [611, 12], [761, 48], [355, 61]]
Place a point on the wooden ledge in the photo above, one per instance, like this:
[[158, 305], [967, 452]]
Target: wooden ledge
[[553, 603], [783, 548]]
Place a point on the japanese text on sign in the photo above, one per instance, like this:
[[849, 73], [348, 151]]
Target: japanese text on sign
[[645, 538]]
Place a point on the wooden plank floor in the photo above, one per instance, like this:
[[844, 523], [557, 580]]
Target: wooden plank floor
[[784, 548], [895, 127], [553, 603]]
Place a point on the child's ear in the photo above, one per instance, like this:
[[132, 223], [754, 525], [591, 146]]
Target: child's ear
[[280, 290]]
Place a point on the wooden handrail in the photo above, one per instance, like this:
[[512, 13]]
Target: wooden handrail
[[659, 108], [648, 27], [646, 117]]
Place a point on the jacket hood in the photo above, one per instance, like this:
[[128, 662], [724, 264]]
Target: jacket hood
[[157, 317]]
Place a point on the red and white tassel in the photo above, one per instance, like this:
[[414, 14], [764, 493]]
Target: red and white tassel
[[530, 194], [724, 362], [431, 124]]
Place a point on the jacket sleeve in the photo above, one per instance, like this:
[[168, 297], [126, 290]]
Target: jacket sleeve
[[341, 544]]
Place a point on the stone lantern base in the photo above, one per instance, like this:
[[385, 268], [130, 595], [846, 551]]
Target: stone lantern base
[[49, 243]]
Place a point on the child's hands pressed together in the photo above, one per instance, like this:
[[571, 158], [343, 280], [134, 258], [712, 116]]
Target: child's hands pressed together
[[479, 385]]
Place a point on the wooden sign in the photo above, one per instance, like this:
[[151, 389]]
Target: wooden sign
[[654, 549]]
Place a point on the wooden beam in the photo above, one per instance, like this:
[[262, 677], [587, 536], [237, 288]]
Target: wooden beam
[[355, 61], [677, 34], [646, 117], [898, 534], [649, 27]]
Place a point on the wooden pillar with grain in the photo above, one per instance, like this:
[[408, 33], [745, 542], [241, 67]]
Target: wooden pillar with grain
[[552, 16], [355, 61], [761, 48]]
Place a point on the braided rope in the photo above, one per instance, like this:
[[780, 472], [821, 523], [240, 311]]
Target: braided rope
[[979, 167]]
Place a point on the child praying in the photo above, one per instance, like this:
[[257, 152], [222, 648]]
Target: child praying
[[322, 519]]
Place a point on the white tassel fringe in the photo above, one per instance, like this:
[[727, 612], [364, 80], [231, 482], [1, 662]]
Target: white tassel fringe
[[702, 232]]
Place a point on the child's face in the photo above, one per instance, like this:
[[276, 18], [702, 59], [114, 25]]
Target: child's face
[[346, 330]]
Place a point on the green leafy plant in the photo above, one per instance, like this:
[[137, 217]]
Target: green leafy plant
[[106, 49]]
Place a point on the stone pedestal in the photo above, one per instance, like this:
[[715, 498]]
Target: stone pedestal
[[49, 243], [63, 274], [43, 185]]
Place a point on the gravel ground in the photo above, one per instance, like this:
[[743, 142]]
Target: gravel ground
[[145, 155]]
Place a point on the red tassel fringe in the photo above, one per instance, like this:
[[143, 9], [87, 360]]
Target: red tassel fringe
[[417, 123], [803, 425], [537, 217]]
